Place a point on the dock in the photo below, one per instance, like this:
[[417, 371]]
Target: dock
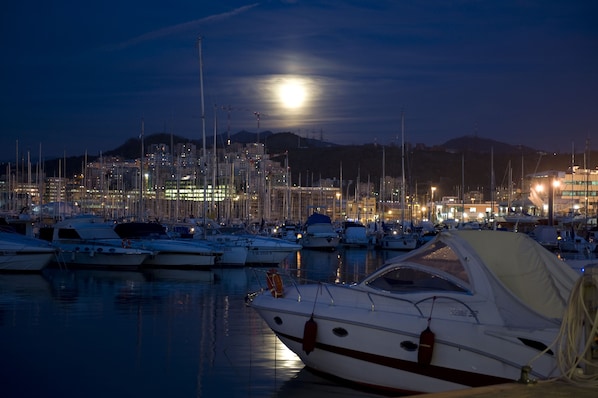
[[544, 389]]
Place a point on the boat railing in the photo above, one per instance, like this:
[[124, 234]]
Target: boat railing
[[375, 299], [471, 311], [372, 296]]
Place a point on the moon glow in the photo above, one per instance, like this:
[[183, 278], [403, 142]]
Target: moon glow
[[292, 93]]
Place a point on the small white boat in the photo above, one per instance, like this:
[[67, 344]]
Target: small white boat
[[319, 233], [90, 241], [395, 240], [470, 308], [289, 232], [22, 253], [354, 234], [168, 252], [261, 250], [233, 252]]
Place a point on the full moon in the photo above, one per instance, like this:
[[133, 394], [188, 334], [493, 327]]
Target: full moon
[[292, 94]]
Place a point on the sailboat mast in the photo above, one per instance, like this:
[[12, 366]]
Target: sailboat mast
[[203, 132], [141, 173], [214, 163], [403, 197]]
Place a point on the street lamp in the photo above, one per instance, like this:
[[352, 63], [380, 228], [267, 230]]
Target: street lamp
[[338, 198], [551, 187], [540, 190]]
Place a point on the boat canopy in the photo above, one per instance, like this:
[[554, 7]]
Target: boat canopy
[[318, 218], [520, 276], [141, 230]]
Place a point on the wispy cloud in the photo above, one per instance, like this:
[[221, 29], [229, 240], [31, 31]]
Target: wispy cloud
[[183, 27]]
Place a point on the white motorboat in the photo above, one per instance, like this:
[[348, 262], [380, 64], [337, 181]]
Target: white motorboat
[[470, 308], [234, 252], [22, 253], [319, 233], [168, 252], [354, 234], [261, 250], [90, 241], [289, 232], [396, 240]]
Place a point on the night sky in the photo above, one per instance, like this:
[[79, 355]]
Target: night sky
[[82, 76]]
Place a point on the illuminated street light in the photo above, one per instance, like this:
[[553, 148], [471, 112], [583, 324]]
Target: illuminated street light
[[551, 187]]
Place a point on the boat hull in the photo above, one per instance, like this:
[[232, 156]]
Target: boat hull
[[378, 348], [105, 258], [399, 243], [320, 242], [235, 256], [26, 261], [265, 255], [179, 260]]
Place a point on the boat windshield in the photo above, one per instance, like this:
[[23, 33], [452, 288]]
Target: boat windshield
[[440, 265], [406, 279], [440, 256]]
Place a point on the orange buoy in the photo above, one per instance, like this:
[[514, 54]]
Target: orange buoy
[[309, 335], [426, 347], [274, 281]]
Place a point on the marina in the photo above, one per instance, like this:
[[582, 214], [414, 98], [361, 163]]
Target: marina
[[341, 215]]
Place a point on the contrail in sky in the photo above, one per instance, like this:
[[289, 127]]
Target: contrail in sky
[[180, 27]]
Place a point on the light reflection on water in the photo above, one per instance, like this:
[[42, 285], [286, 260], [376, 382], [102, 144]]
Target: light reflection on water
[[74, 333], [349, 265]]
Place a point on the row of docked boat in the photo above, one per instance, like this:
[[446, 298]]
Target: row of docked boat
[[91, 241], [320, 233]]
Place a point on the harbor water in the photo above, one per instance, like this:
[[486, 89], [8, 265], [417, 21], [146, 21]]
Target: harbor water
[[98, 333]]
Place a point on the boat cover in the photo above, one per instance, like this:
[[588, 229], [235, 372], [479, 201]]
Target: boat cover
[[529, 271], [318, 218], [523, 278]]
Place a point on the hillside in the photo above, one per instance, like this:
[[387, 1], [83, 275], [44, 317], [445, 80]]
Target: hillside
[[447, 166]]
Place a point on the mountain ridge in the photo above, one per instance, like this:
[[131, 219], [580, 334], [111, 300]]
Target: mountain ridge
[[443, 166]]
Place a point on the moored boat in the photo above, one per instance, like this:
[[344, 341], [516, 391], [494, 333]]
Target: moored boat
[[470, 308], [399, 241], [168, 252], [319, 233], [354, 234], [261, 250], [90, 241], [22, 253]]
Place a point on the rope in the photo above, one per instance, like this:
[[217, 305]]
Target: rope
[[578, 323]]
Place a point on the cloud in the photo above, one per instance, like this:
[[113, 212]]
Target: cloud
[[183, 27]]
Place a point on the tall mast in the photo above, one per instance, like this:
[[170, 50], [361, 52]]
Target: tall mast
[[203, 132], [492, 183], [383, 184], [403, 197], [141, 172], [215, 163]]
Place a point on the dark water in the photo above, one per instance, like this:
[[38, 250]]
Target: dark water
[[95, 333]]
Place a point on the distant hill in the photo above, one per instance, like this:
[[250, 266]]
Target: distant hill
[[311, 160], [484, 145], [275, 142]]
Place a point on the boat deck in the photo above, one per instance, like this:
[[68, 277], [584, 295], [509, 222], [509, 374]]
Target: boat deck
[[544, 389]]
